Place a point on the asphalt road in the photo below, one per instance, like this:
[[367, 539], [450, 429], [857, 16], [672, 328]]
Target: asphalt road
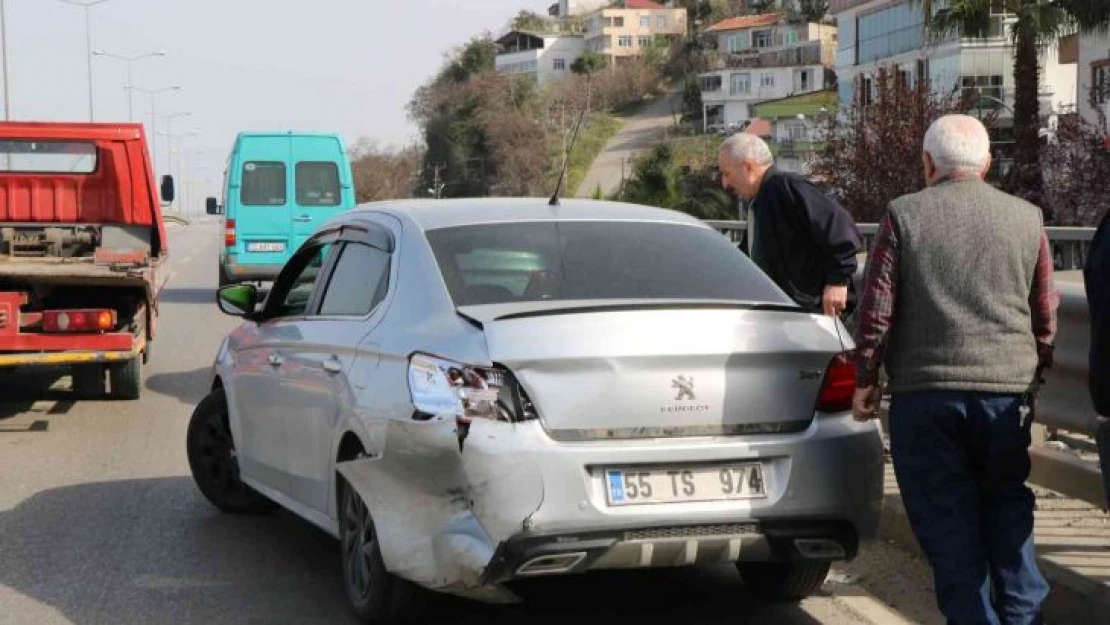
[[101, 523]]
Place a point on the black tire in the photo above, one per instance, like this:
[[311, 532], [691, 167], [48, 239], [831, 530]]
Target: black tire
[[224, 280], [784, 581], [375, 595], [126, 379], [88, 381], [212, 460]]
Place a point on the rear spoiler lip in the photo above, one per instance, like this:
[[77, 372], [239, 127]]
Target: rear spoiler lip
[[630, 306]]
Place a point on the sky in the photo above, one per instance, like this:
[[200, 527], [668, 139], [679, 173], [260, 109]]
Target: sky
[[345, 66]]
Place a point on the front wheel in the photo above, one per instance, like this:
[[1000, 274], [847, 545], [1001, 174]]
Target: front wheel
[[784, 581], [376, 596], [213, 460]]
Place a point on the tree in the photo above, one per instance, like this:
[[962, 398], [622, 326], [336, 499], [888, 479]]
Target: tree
[[662, 178], [813, 10], [586, 65], [1038, 24], [871, 152], [383, 174], [1077, 172]]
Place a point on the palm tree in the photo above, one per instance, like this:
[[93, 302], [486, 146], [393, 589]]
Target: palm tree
[[1039, 24], [586, 65]]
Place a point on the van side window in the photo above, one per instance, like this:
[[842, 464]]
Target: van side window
[[317, 184], [263, 184]]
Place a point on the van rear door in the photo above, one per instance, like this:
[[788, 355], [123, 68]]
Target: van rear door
[[321, 183], [263, 199]]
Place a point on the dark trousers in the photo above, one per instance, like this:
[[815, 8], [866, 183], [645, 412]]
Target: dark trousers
[[961, 460]]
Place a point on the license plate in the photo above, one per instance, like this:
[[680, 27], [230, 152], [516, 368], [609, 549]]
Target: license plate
[[626, 487], [259, 246]]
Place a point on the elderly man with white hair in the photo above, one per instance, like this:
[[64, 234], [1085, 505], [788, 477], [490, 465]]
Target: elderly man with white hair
[[804, 241], [958, 304]]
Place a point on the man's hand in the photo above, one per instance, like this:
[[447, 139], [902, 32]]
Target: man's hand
[[834, 300], [865, 403]]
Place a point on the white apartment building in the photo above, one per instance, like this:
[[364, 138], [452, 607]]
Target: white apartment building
[[572, 8], [545, 57], [1094, 77], [892, 33], [761, 58]]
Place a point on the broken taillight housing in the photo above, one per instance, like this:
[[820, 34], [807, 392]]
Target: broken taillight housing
[[839, 385], [440, 387]]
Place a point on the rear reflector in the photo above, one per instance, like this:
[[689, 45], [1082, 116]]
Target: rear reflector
[[229, 233], [839, 385], [84, 320]]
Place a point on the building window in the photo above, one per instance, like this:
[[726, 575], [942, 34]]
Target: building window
[[797, 132], [790, 37], [559, 64], [645, 21], [767, 80], [661, 21], [647, 41], [618, 22], [890, 31], [762, 39], [986, 89], [866, 91], [710, 84], [740, 84], [1100, 83], [738, 43], [625, 41], [802, 80]]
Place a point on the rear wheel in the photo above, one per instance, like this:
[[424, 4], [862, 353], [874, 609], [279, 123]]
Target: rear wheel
[[376, 595], [88, 381], [213, 460], [784, 581], [126, 378], [224, 280]]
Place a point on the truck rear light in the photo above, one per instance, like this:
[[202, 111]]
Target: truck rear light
[[839, 385], [229, 233], [83, 320]]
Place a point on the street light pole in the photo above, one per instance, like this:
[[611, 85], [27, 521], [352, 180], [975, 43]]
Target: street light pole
[[7, 75], [154, 120], [89, 4], [128, 60]]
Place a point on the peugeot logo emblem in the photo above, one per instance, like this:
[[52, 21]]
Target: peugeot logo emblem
[[685, 387]]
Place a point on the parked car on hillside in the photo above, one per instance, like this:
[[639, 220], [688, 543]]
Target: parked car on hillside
[[472, 392]]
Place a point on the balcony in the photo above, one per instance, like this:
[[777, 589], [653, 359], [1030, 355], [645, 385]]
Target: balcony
[[808, 54]]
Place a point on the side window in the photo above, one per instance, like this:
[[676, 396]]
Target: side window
[[263, 184], [359, 282], [317, 184], [296, 293]]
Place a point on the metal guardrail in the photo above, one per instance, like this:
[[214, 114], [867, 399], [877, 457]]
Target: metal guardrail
[[1065, 401]]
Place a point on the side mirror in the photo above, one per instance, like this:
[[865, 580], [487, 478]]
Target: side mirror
[[237, 300], [213, 206], [167, 188]]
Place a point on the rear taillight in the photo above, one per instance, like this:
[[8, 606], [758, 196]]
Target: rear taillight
[[85, 320], [441, 387], [229, 233], [839, 385]]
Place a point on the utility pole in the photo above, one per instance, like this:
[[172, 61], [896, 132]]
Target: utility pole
[[7, 75], [87, 5], [437, 187]]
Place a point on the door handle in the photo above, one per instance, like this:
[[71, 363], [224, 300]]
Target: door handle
[[332, 365], [303, 219], [276, 360]]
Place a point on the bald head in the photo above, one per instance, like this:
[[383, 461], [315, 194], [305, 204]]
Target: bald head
[[744, 160], [956, 145]]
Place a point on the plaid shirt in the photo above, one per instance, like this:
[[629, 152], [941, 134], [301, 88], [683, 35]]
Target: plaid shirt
[[880, 295]]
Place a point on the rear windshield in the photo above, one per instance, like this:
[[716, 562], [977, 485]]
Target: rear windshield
[[536, 261], [48, 157], [263, 184], [317, 184]]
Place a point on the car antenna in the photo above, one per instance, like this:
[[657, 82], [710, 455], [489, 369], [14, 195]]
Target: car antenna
[[566, 161]]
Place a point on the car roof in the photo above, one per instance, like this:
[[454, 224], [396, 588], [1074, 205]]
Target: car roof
[[430, 214]]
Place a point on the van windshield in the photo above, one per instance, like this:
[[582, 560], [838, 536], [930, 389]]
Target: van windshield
[[317, 184], [263, 184]]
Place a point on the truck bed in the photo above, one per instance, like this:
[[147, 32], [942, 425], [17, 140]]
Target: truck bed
[[59, 271]]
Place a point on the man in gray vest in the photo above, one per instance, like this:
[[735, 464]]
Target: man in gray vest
[[959, 306]]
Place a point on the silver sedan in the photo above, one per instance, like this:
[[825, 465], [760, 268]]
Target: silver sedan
[[467, 393]]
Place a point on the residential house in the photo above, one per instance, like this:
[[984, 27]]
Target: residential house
[[893, 34], [1093, 96], [625, 28], [760, 58], [543, 56], [792, 125], [573, 8]]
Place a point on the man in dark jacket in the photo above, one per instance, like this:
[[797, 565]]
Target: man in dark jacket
[[1096, 275], [804, 240]]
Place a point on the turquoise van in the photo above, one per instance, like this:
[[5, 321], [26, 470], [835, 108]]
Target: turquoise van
[[278, 188]]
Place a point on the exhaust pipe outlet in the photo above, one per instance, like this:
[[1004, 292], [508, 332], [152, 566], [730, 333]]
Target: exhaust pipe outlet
[[552, 564], [820, 549]]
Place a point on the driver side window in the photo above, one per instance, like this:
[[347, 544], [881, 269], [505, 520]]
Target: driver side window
[[296, 293]]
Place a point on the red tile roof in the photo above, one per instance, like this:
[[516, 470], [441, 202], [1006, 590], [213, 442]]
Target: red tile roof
[[642, 4], [745, 21], [760, 128]]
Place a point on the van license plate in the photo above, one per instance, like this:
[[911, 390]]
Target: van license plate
[[259, 246], [626, 487]]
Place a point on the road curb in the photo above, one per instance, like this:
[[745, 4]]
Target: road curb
[[1074, 598]]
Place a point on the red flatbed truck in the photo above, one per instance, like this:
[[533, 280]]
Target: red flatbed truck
[[83, 252]]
